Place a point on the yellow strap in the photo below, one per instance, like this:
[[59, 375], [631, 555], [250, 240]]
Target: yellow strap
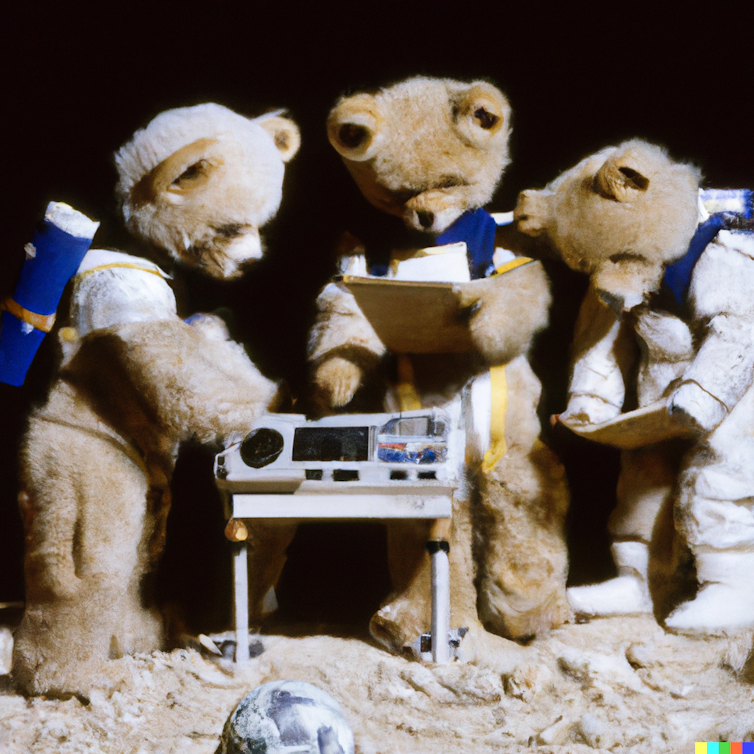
[[408, 398], [43, 322], [498, 409], [126, 265], [512, 265]]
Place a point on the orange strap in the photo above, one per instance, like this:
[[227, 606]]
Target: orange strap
[[43, 322]]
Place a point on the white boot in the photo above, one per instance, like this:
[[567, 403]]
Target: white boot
[[628, 594], [725, 601]]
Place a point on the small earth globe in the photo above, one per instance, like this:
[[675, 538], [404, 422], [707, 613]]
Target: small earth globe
[[286, 717]]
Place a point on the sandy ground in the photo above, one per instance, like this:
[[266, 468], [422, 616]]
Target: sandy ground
[[619, 685]]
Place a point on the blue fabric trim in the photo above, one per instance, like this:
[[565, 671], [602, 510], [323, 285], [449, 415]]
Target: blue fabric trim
[[40, 286], [477, 229], [378, 270], [17, 350], [678, 275], [43, 277]]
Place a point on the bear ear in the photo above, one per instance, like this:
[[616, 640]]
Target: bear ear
[[621, 178], [481, 112], [285, 133], [354, 127]]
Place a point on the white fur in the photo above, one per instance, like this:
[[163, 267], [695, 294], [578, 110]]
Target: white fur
[[176, 128], [205, 211]]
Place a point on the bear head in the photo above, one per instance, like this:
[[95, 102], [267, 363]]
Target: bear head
[[425, 149], [619, 215], [199, 182]]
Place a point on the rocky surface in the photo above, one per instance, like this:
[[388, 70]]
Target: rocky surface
[[618, 685]]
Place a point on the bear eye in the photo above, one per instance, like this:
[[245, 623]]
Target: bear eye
[[450, 181], [351, 135], [191, 173], [487, 120]]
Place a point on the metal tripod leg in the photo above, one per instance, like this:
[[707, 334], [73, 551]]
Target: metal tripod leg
[[439, 549], [241, 600]]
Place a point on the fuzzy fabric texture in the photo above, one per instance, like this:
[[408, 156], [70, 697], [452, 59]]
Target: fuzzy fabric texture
[[698, 358], [428, 150], [96, 467], [425, 149], [112, 288], [201, 181], [620, 215]]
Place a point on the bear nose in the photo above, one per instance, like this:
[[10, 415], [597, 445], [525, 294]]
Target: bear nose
[[425, 218]]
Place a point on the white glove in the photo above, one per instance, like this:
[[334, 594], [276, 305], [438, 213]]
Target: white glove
[[589, 409], [695, 407]]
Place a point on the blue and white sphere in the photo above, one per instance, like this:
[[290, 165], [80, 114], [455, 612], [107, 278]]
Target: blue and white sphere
[[287, 717]]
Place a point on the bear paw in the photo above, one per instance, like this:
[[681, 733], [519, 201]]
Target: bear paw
[[397, 625], [336, 381]]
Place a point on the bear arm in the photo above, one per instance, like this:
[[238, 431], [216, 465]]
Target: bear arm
[[342, 347], [723, 306], [509, 310], [173, 380], [601, 353], [340, 324]]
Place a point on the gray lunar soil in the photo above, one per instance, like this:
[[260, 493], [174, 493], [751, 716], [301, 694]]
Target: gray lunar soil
[[617, 685]]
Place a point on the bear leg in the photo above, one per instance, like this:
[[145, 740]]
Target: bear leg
[[522, 555]]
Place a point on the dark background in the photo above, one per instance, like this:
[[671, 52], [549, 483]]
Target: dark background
[[78, 80]]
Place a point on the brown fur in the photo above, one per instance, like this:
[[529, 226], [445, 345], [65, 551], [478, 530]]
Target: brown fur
[[436, 146], [199, 182], [619, 215], [523, 561], [505, 317], [421, 147], [96, 466]]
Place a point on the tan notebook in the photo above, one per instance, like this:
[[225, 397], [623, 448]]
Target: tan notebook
[[410, 316], [419, 316], [634, 429]]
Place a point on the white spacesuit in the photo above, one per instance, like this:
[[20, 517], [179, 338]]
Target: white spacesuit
[[702, 364]]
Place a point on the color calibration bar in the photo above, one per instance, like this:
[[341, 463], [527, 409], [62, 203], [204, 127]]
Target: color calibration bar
[[724, 748]]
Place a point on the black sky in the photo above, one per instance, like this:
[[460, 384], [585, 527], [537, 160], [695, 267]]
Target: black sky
[[78, 79]]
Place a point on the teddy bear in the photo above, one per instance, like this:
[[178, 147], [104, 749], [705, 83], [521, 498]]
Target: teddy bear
[[135, 382], [199, 182], [427, 154], [668, 308], [97, 461]]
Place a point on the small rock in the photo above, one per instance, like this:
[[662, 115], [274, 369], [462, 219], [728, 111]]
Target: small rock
[[526, 681], [556, 733], [594, 731], [593, 667]]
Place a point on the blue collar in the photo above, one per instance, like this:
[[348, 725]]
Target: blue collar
[[477, 229], [678, 275]]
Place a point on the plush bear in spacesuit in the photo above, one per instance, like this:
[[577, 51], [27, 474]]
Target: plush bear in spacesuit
[[671, 277], [426, 154], [136, 381]]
